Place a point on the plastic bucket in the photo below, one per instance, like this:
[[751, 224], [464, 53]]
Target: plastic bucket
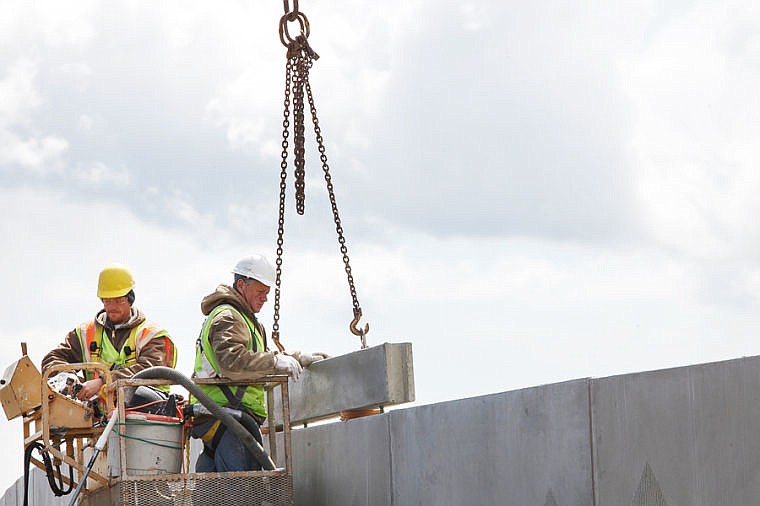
[[153, 444]]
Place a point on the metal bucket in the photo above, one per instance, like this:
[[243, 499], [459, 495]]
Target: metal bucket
[[153, 444]]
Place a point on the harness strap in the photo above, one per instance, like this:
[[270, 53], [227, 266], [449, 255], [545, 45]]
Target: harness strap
[[236, 400], [212, 437]]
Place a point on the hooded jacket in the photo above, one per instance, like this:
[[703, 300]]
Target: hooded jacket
[[153, 353], [229, 337]]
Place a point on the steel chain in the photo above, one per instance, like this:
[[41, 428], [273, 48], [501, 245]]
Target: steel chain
[[300, 60], [281, 215], [331, 194], [300, 76]]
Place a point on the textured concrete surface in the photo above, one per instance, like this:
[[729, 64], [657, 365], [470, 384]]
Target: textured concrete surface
[[343, 463], [39, 492], [684, 436], [518, 448], [379, 376]]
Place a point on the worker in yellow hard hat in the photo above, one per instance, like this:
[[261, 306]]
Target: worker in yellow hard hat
[[119, 336]]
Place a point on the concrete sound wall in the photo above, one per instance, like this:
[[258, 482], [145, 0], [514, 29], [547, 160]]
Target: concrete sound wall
[[687, 436], [39, 492], [515, 448], [682, 436]]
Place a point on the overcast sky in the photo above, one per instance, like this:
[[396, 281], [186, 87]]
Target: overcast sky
[[531, 191]]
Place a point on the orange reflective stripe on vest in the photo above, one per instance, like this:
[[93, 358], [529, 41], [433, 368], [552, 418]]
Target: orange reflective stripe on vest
[[88, 331], [96, 343]]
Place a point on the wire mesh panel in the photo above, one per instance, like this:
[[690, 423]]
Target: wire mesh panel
[[244, 488]]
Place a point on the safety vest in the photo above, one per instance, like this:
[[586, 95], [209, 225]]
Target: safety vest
[[97, 347], [206, 365]]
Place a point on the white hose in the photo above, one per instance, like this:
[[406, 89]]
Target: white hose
[[99, 445]]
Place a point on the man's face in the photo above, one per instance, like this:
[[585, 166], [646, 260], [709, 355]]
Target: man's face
[[254, 293], [117, 309]]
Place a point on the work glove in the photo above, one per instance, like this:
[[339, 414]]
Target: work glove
[[285, 364], [306, 359]]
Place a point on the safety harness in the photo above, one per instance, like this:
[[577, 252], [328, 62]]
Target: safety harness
[[248, 399]]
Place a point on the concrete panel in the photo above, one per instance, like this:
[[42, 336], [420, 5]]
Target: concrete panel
[[685, 436], [39, 491], [343, 463], [521, 448], [378, 376]]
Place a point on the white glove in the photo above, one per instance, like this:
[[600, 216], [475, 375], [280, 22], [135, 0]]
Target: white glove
[[307, 359], [285, 364]]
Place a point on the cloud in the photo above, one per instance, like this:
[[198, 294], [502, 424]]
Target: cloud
[[20, 145], [28, 27], [37, 155], [519, 126], [247, 117], [18, 95], [697, 121], [99, 174]]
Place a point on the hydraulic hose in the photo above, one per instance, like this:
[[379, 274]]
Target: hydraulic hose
[[57, 488], [240, 432]]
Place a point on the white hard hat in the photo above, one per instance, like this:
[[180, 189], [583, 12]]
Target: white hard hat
[[256, 267]]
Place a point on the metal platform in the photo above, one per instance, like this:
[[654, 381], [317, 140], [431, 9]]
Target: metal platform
[[259, 488]]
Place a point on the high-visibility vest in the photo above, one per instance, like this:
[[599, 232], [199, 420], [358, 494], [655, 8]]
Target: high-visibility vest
[[206, 365], [97, 347]]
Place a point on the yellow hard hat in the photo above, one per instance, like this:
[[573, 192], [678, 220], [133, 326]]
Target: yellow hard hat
[[114, 281]]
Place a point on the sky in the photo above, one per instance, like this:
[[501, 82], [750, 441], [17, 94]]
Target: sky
[[531, 192]]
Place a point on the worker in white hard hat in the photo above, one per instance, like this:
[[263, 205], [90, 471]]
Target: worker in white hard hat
[[119, 336], [233, 345]]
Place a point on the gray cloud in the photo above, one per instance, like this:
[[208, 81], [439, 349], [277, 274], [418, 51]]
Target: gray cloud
[[503, 134]]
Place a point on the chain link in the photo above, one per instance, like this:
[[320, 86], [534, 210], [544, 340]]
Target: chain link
[[286, 5], [281, 215], [331, 194], [300, 76], [300, 60]]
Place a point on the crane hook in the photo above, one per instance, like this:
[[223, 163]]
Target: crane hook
[[362, 333]]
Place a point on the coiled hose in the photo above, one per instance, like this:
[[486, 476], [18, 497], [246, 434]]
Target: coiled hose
[[240, 432], [57, 488]]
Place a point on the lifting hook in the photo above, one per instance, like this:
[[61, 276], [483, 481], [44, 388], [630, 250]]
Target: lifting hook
[[362, 333]]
